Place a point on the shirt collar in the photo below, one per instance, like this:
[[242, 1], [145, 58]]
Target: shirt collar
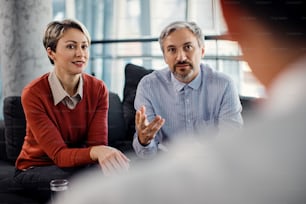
[[194, 84], [57, 90]]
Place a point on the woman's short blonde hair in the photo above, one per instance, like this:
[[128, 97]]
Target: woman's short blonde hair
[[56, 29]]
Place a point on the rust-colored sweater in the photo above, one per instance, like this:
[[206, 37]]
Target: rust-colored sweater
[[58, 135]]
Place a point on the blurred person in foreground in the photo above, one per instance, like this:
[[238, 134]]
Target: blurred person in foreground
[[266, 162], [184, 98], [66, 113]]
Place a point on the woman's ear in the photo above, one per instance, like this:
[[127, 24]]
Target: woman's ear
[[50, 53]]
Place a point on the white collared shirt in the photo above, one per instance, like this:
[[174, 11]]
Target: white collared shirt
[[60, 95]]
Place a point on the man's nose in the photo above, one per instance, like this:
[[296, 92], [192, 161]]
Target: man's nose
[[181, 56]]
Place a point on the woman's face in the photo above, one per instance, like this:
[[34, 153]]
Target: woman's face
[[72, 53]]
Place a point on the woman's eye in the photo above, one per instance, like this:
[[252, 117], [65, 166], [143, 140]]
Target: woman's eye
[[70, 46], [85, 47]]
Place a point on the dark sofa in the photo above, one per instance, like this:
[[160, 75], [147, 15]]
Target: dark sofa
[[121, 126], [13, 131]]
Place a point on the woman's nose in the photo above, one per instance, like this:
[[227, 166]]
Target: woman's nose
[[79, 51]]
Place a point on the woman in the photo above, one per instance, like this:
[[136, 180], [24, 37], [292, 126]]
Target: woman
[[66, 113]]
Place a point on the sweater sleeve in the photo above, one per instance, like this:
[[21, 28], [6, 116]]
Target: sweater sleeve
[[98, 124]]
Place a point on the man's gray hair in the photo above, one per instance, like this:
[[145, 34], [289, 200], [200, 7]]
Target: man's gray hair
[[193, 27]]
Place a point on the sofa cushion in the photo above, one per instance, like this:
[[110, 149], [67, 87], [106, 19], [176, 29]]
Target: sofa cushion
[[15, 126], [133, 74]]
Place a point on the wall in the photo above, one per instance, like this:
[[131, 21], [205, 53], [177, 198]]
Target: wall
[[22, 56]]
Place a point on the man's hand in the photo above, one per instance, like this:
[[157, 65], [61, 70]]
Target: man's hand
[[146, 131]]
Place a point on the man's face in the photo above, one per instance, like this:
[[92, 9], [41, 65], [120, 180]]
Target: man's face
[[183, 54]]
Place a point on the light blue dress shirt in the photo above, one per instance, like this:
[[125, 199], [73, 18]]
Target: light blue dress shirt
[[210, 100]]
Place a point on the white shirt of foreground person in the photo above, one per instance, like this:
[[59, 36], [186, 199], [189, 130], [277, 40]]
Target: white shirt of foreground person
[[265, 163]]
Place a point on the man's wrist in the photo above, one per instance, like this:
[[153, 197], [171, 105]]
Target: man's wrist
[[143, 144]]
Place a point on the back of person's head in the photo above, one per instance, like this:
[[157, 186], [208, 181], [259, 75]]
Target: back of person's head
[[56, 29], [284, 18], [193, 27]]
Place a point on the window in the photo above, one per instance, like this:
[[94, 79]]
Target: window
[[126, 31]]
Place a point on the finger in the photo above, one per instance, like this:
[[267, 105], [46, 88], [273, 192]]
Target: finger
[[123, 161], [118, 154], [107, 168], [143, 109], [159, 124], [156, 124], [125, 158], [140, 112], [115, 164], [143, 121], [137, 118], [140, 119], [157, 118]]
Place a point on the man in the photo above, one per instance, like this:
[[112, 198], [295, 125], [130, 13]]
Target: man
[[185, 97], [266, 162]]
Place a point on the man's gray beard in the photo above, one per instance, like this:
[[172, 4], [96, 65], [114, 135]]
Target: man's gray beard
[[183, 78]]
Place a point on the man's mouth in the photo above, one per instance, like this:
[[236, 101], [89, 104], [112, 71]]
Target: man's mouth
[[182, 65]]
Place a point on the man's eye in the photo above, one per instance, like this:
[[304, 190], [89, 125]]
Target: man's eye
[[171, 49], [188, 47]]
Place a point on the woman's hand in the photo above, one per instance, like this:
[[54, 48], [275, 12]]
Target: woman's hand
[[110, 159]]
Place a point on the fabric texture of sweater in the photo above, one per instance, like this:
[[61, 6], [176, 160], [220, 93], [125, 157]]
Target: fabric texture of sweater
[[57, 135]]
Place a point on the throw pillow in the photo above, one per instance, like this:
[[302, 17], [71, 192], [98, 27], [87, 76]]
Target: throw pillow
[[133, 74], [116, 124]]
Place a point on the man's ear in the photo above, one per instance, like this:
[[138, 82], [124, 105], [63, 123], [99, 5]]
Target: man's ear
[[202, 51]]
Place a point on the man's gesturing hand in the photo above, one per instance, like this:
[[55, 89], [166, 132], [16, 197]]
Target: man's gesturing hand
[[146, 131]]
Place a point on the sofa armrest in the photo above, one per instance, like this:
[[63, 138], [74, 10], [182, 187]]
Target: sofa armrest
[[2, 141], [15, 126]]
